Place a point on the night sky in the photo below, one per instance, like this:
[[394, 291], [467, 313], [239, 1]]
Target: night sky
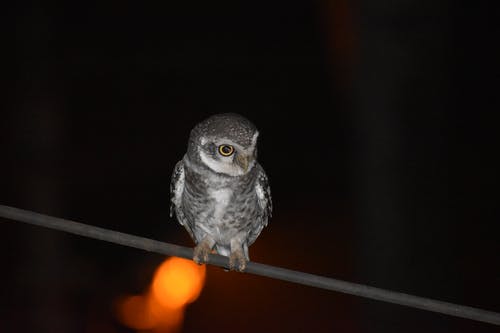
[[378, 132]]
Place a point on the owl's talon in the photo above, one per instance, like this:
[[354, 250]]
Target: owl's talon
[[200, 261], [201, 252], [237, 261]]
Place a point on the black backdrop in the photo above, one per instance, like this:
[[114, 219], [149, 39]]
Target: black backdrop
[[378, 133]]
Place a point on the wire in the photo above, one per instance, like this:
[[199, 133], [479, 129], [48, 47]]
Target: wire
[[150, 245]]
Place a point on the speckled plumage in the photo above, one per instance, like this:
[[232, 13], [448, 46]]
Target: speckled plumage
[[222, 201]]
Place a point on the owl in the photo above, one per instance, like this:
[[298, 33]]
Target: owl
[[219, 192]]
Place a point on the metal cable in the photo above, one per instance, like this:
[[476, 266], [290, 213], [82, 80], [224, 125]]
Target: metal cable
[[252, 267]]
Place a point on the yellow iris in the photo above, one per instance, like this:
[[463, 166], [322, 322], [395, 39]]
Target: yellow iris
[[226, 150]]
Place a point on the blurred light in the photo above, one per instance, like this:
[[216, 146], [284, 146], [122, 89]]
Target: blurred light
[[134, 312], [176, 283]]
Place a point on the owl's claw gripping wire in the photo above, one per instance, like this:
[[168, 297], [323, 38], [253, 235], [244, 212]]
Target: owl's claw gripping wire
[[201, 252], [237, 261]]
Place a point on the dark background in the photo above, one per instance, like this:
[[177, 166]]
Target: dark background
[[378, 133]]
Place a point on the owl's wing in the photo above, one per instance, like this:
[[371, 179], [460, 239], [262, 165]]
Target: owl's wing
[[263, 192], [176, 187], [264, 196], [176, 190]]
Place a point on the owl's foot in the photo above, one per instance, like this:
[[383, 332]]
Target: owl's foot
[[202, 250], [237, 260]]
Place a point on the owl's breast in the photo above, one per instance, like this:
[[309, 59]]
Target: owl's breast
[[221, 207], [220, 200]]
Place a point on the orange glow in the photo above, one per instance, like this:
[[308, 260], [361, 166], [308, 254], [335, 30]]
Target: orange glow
[[176, 283], [134, 312]]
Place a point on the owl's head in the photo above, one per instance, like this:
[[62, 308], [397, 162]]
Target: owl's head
[[225, 143]]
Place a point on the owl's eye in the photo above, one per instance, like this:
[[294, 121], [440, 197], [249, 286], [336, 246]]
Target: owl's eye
[[226, 150]]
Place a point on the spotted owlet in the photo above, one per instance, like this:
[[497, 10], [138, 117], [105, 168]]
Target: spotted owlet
[[219, 192]]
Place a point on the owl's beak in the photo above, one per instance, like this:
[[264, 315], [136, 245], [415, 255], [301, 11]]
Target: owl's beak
[[243, 161]]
